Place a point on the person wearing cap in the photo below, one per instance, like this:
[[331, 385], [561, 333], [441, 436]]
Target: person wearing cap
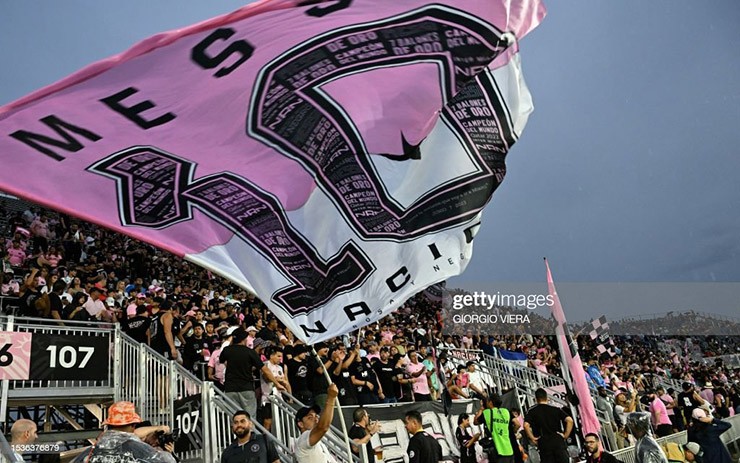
[[298, 374], [240, 360], [120, 441], [692, 452], [313, 423], [316, 365], [249, 446], [647, 449], [251, 336], [137, 326], [706, 432], [594, 452]]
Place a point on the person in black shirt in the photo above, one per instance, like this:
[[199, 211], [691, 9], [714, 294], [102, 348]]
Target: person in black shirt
[[465, 440], [549, 428], [688, 400], [298, 375], [138, 326], [55, 300], [339, 374], [594, 453], [362, 431], [193, 351], [269, 333], [422, 448], [240, 360], [248, 447], [316, 376], [364, 381], [387, 375]]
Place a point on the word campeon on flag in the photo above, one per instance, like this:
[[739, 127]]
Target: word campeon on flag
[[332, 157]]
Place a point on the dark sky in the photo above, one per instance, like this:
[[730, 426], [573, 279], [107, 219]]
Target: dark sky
[[626, 171]]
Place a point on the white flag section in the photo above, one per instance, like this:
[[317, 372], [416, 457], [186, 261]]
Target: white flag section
[[333, 158]]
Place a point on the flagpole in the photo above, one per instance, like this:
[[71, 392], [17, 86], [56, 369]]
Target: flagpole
[[339, 405], [569, 356]]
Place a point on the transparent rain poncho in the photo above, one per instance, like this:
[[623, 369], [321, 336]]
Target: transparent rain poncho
[[647, 449]]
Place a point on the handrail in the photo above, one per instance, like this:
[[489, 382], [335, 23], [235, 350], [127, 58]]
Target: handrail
[[283, 420]]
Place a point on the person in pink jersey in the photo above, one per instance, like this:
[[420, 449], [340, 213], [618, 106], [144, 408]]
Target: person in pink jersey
[[659, 414], [418, 373]]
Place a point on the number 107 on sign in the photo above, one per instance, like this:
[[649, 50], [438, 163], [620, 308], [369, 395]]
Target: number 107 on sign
[[67, 356]]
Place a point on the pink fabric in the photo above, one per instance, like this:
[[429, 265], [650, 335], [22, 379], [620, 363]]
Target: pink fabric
[[658, 412], [589, 420], [420, 384]]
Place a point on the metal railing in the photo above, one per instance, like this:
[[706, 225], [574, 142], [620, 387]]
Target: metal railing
[[286, 431], [154, 383], [35, 389]]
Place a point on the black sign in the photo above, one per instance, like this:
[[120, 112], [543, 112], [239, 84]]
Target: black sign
[[81, 356], [188, 424]]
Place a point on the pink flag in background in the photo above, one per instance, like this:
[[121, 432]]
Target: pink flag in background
[[569, 352], [331, 157]]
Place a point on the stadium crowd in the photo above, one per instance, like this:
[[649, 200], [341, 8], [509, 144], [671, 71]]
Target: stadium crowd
[[65, 269]]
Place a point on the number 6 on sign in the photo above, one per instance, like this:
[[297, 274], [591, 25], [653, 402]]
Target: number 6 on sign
[[15, 355]]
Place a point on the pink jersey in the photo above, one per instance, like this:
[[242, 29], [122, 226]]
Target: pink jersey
[[420, 384]]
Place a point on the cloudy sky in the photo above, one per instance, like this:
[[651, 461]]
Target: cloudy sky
[[626, 172]]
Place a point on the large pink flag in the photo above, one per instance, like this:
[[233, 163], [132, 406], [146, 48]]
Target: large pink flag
[[332, 157], [569, 353]]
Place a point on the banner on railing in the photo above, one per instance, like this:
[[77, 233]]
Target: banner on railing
[[69, 357], [15, 355], [188, 423]]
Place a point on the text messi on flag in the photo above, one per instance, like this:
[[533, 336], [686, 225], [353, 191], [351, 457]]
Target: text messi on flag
[[334, 158]]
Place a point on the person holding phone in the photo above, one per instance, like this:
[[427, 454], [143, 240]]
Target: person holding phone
[[361, 433]]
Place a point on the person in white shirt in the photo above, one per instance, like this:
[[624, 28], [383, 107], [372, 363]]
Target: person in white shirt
[[308, 447]]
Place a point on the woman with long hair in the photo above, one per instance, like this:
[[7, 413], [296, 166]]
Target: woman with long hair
[[465, 440]]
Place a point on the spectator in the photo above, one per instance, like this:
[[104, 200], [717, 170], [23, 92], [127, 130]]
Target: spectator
[[248, 446], [693, 452], [23, 432], [549, 428], [594, 452], [418, 374], [162, 332], [313, 423], [388, 376], [465, 440], [475, 381], [193, 352], [298, 376], [365, 382], [316, 366], [422, 447], [120, 439], [138, 326], [41, 233], [362, 431], [706, 432], [647, 449], [240, 360], [659, 415], [273, 378]]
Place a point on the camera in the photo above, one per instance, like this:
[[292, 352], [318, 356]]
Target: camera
[[164, 438]]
